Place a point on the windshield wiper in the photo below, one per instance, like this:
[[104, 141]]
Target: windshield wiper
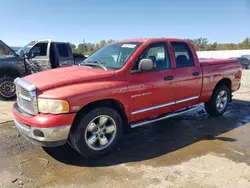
[[94, 63]]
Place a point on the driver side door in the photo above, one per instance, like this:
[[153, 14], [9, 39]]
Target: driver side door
[[38, 57], [152, 91]]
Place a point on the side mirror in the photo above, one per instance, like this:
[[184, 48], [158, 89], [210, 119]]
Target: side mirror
[[33, 54], [145, 65]]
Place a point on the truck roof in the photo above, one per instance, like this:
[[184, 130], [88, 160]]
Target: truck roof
[[152, 40], [50, 40]]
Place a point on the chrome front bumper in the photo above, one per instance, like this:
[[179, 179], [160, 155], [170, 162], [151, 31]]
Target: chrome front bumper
[[53, 136]]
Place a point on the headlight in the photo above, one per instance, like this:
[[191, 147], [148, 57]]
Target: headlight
[[49, 106]]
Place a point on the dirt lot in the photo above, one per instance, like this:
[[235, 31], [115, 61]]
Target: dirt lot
[[189, 151]]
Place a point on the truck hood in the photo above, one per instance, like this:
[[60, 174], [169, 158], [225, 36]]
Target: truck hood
[[6, 51], [9, 59], [65, 76]]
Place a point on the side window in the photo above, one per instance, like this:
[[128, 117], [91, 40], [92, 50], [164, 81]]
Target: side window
[[40, 49], [63, 50], [183, 55], [158, 54]]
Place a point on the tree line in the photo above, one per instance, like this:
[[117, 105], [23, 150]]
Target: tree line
[[88, 48], [200, 44]]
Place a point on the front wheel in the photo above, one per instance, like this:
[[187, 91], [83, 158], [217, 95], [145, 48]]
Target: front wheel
[[218, 103], [97, 132], [7, 88]]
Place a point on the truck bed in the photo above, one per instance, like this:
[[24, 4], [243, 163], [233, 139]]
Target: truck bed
[[215, 69], [206, 61]]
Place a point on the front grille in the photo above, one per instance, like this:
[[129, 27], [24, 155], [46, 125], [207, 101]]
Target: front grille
[[26, 100], [24, 92]]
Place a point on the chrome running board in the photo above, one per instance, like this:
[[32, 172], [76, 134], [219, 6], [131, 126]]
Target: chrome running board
[[137, 124]]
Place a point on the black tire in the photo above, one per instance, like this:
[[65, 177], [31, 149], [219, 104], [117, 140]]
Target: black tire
[[77, 135], [247, 67], [211, 105], [6, 82]]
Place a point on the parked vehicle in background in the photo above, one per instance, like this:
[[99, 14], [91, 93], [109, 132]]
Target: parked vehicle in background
[[15, 48], [79, 58], [123, 85], [35, 57], [25, 49], [245, 61]]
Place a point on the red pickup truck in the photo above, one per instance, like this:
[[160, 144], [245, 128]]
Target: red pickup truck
[[123, 85]]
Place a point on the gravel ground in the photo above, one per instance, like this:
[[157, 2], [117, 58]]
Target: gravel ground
[[5, 111], [189, 151]]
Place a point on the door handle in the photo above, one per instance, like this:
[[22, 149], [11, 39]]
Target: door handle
[[196, 74], [168, 78]]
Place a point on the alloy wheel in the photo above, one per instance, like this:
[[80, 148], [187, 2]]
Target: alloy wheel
[[100, 132]]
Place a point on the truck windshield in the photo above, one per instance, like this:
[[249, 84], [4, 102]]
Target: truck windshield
[[113, 56], [26, 48]]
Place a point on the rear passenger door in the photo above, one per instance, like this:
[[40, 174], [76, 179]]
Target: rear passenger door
[[188, 75], [64, 55]]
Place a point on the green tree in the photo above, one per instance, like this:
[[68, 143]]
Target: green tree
[[245, 44], [110, 41], [200, 43], [73, 47], [103, 43], [214, 46], [97, 46], [80, 49]]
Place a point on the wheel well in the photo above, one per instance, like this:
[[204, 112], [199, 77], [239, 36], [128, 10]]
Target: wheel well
[[9, 72], [227, 82], [112, 103]]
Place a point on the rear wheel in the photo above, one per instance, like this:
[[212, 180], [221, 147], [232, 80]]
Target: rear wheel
[[7, 88], [218, 103], [97, 132], [247, 66]]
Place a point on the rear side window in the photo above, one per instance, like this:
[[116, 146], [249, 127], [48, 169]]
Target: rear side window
[[183, 55], [63, 50]]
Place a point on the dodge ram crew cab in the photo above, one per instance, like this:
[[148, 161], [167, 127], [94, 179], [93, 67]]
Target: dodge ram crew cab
[[35, 57], [123, 85]]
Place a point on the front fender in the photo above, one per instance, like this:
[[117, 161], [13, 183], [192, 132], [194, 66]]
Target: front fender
[[13, 65], [80, 95]]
